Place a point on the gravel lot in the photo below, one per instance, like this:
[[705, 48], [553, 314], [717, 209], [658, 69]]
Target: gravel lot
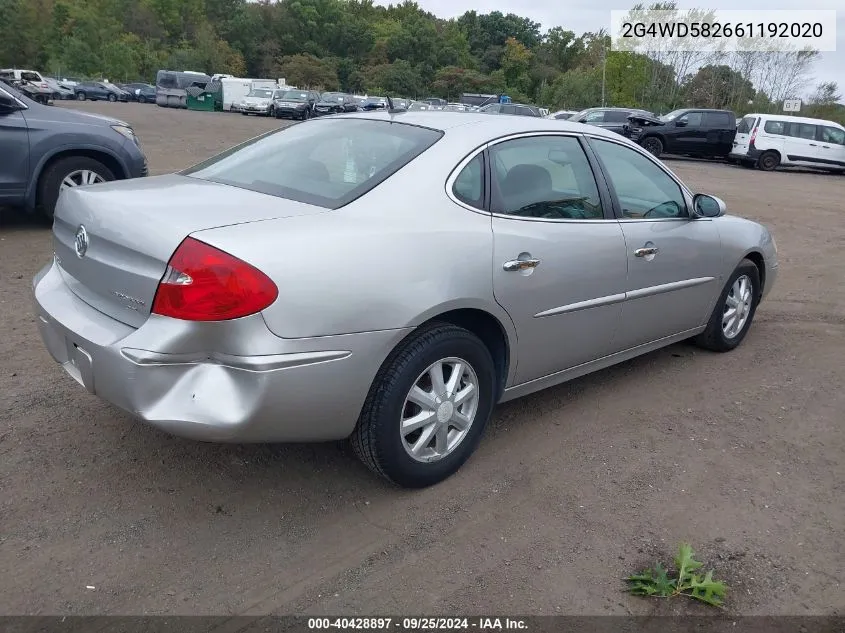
[[572, 489]]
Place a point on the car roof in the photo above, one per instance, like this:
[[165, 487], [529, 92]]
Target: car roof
[[797, 119], [481, 125]]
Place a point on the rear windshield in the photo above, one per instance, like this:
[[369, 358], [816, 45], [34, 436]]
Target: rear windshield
[[746, 125], [328, 163]]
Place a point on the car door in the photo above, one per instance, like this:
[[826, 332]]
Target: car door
[[14, 150], [800, 145], [832, 141], [674, 261], [615, 120], [559, 263], [686, 134], [720, 130]]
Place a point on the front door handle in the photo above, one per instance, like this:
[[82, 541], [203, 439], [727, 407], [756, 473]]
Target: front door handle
[[813, 145], [650, 250], [520, 264]]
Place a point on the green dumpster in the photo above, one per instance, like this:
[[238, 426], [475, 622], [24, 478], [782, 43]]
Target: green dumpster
[[203, 102]]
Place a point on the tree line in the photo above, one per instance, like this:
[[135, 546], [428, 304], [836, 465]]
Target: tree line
[[402, 50]]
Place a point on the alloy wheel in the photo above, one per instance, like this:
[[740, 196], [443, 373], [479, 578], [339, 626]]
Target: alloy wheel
[[737, 307], [79, 178], [439, 410]]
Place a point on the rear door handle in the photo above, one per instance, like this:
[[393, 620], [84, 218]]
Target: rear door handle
[[813, 145], [642, 252], [520, 264]]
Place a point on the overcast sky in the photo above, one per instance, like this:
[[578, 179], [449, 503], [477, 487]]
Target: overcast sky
[[591, 15]]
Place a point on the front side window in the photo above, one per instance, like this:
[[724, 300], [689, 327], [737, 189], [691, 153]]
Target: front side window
[[644, 190], [596, 116], [545, 177], [833, 135], [328, 163], [692, 119], [469, 185]]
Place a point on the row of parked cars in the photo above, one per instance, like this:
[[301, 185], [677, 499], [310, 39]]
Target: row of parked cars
[[293, 103], [765, 141], [45, 89]]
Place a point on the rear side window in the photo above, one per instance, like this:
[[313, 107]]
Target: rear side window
[[773, 127], [469, 185], [616, 116], [719, 120], [327, 163], [596, 116], [802, 130], [746, 125]]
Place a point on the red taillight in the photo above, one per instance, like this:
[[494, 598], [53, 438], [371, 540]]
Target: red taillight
[[753, 134], [203, 283]]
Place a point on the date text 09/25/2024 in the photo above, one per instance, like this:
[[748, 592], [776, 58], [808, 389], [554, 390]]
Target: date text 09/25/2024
[[418, 624]]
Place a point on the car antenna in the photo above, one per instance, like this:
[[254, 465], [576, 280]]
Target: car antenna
[[391, 109]]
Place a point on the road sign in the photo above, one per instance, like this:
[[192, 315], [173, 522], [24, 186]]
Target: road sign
[[792, 105]]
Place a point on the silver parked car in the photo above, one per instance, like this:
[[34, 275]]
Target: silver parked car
[[388, 277]]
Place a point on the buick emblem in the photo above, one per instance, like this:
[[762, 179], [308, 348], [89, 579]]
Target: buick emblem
[[81, 242]]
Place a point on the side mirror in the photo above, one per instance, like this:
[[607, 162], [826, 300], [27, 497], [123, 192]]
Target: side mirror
[[8, 105], [705, 206], [583, 119], [680, 123]]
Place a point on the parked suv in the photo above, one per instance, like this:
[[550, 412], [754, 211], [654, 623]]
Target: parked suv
[[95, 90], [46, 150], [691, 132], [769, 140], [613, 119]]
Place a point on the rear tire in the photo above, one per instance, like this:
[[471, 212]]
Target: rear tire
[[49, 185], [142, 99], [768, 161], [719, 338], [378, 439], [653, 146]]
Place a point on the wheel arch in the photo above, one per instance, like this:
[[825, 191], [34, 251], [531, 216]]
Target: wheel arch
[[99, 153], [496, 331], [756, 257]]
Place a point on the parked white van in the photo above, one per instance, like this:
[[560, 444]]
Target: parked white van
[[770, 140]]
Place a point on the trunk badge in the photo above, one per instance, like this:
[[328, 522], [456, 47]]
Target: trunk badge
[[81, 241]]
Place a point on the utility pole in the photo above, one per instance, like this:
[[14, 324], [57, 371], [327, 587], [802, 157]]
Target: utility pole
[[603, 72]]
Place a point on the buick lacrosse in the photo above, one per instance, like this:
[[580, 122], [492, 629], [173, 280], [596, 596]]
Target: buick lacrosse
[[388, 277]]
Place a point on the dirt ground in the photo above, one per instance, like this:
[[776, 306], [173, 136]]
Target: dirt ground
[[742, 455]]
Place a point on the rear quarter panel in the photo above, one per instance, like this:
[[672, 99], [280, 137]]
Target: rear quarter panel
[[392, 259]]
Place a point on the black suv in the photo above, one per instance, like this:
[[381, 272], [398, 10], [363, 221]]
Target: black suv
[[335, 103], [612, 119], [691, 132]]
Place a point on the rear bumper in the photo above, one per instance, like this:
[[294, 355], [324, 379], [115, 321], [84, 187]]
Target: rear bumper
[[217, 382], [749, 156]]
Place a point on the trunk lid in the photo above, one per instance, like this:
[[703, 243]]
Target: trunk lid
[[131, 228]]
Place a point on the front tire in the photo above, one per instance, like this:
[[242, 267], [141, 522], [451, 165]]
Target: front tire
[[112, 98], [142, 99], [81, 96], [427, 408], [731, 318], [653, 146], [77, 169]]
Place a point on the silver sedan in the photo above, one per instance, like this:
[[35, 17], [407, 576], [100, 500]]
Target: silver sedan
[[388, 278]]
